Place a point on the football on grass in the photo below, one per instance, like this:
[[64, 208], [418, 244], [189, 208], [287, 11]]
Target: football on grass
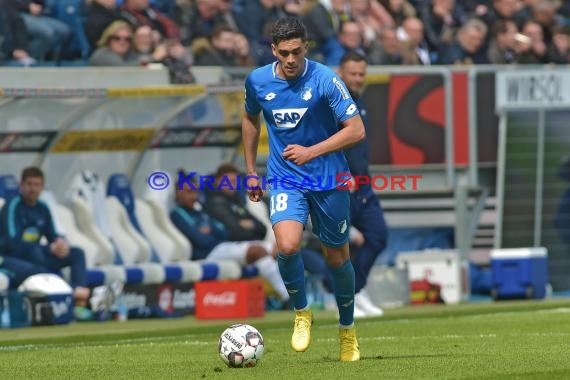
[[241, 346]]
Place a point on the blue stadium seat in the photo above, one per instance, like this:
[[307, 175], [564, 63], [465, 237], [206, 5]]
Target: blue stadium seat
[[87, 197], [119, 187]]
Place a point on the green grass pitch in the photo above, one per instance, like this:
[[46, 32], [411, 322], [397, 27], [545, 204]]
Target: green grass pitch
[[506, 340]]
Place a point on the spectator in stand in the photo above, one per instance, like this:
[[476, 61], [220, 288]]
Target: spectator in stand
[[254, 17], [242, 51], [386, 50], [371, 16], [559, 50], [197, 18], [227, 14], [533, 50], [350, 37], [170, 53], [441, 20], [500, 10], [100, 14], [414, 46], [14, 45], [338, 12], [114, 48], [468, 46], [218, 50], [399, 10], [144, 45], [254, 20], [564, 11], [178, 60], [48, 36], [140, 12], [545, 14], [524, 12], [24, 221], [321, 26], [503, 46]]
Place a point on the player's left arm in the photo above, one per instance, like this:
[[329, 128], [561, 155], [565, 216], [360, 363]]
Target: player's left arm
[[351, 132]]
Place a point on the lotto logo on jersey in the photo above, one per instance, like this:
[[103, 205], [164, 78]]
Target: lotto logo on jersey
[[288, 118]]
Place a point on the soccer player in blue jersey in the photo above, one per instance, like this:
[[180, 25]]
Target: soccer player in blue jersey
[[311, 118]]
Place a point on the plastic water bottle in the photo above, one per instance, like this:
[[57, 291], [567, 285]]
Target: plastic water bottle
[[315, 292], [5, 320], [309, 291], [319, 289], [122, 310]]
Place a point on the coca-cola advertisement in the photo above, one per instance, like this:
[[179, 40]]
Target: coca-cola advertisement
[[229, 299]]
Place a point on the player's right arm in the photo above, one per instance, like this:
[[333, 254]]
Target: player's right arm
[[250, 130], [250, 136]]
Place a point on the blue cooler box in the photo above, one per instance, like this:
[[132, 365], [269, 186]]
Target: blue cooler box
[[519, 273], [50, 299]]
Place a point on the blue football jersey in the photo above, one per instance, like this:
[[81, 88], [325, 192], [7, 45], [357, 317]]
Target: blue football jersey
[[303, 111]]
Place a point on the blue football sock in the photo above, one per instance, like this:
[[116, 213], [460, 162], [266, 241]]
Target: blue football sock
[[293, 275], [343, 280]]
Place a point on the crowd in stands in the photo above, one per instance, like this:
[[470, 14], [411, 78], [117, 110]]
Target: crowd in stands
[[183, 33]]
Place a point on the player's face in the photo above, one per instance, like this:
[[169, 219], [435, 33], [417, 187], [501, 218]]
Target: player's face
[[353, 74], [291, 57], [31, 188]]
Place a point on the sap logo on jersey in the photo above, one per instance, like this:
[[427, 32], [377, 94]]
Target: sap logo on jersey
[[288, 118]]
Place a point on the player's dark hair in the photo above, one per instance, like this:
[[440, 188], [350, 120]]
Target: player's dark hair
[[32, 172], [288, 28], [352, 55]]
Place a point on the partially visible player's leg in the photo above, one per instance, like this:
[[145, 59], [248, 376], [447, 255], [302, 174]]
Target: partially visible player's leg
[[288, 213], [331, 222], [368, 218], [256, 252]]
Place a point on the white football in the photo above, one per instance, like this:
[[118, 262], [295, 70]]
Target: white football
[[241, 346]]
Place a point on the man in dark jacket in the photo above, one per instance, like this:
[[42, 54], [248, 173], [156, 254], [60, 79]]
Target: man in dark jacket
[[13, 35], [227, 204], [366, 215], [24, 221]]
